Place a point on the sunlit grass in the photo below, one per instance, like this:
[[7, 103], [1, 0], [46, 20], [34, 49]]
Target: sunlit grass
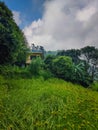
[[35, 104]]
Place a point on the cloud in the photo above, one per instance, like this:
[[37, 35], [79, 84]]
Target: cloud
[[86, 13], [65, 24], [17, 18]]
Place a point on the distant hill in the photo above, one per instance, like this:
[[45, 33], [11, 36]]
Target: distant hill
[[51, 53]]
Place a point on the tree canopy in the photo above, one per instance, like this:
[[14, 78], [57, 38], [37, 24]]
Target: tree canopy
[[13, 44], [62, 67], [90, 55], [73, 53]]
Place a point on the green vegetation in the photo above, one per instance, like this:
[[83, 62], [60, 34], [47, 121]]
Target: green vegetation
[[62, 67], [13, 44], [32, 97], [35, 66], [88, 57], [53, 104], [94, 86], [66, 64]]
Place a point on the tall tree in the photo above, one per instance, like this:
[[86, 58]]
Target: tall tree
[[73, 53], [87, 53], [90, 55], [13, 43]]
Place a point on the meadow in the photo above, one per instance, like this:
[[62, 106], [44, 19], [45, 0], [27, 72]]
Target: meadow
[[53, 104]]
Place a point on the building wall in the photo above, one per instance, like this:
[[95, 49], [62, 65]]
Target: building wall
[[32, 55]]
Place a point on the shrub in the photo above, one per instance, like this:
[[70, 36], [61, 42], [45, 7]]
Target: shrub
[[46, 74], [35, 66], [94, 86], [80, 75], [62, 67], [49, 62], [14, 72]]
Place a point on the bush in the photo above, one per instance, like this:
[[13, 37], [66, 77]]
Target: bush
[[94, 86], [62, 67], [46, 74], [35, 66], [14, 72], [80, 75], [1, 80], [49, 62]]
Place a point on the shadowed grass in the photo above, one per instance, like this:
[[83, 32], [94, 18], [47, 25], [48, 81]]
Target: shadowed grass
[[94, 86]]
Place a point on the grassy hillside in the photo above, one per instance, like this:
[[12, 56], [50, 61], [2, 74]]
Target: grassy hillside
[[35, 104]]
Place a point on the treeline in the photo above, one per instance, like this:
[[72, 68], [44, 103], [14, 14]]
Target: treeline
[[77, 66]]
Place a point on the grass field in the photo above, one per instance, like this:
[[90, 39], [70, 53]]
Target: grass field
[[35, 104]]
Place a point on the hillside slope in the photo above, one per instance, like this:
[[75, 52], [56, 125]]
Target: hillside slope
[[35, 104]]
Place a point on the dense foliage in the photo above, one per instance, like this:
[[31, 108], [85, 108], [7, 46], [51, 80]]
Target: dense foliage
[[73, 53], [85, 64], [36, 66], [90, 55], [62, 67], [13, 44]]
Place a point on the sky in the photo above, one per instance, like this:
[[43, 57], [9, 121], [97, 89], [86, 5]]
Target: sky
[[57, 24]]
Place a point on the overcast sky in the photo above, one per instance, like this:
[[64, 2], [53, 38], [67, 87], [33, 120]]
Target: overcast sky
[[57, 24]]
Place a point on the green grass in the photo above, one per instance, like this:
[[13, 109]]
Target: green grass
[[35, 104], [94, 86]]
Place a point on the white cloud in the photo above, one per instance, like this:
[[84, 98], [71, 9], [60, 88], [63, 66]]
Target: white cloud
[[86, 13], [17, 18], [65, 24]]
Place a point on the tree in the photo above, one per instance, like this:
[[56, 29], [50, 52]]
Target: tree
[[12, 41], [73, 53], [62, 67], [87, 52], [80, 75], [94, 64], [90, 55], [49, 62]]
